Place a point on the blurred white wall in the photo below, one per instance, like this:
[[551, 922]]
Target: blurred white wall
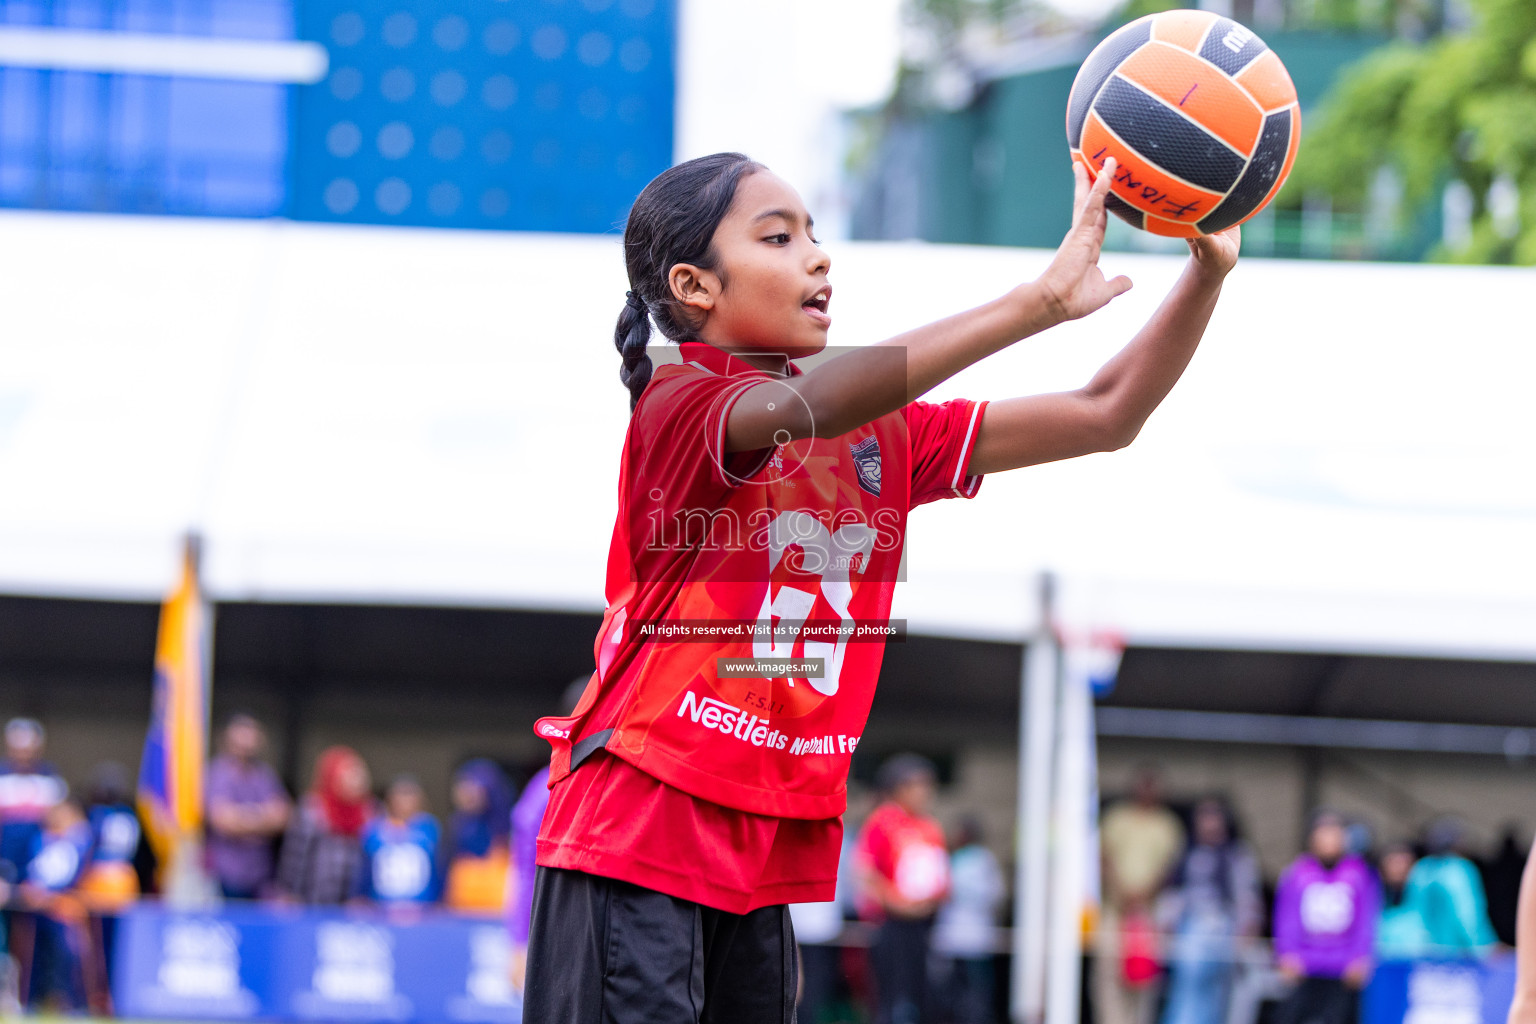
[[372, 414]]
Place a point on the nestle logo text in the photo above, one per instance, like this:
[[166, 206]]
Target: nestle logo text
[[732, 721]]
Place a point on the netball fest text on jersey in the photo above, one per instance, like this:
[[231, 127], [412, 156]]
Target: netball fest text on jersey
[[792, 553], [747, 727]]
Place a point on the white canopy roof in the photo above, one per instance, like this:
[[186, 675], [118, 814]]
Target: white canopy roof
[[376, 415]]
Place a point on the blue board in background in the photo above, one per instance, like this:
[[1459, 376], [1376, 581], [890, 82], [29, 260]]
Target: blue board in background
[[208, 966], [541, 115], [537, 116], [129, 143], [1440, 992], [302, 964]]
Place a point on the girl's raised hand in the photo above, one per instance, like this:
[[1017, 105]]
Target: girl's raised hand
[[1074, 285], [1216, 254]]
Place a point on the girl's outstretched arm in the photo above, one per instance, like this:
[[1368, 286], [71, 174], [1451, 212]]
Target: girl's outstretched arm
[[1110, 410], [865, 384]]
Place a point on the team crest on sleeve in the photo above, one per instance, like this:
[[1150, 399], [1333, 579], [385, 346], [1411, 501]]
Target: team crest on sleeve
[[866, 459]]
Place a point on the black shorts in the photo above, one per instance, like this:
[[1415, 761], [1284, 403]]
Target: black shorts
[[602, 951]]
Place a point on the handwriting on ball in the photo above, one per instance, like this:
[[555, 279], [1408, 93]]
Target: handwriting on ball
[[1167, 205]]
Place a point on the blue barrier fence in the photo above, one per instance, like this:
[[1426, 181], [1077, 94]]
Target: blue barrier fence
[[302, 964], [1440, 992], [264, 962]]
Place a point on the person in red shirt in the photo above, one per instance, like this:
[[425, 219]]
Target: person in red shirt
[[698, 786], [903, 866]]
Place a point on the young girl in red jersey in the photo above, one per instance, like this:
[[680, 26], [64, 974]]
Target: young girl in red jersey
[[698, 787]]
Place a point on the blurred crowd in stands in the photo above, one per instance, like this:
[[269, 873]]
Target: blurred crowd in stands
[[1184, 911], [914, 935], [1187, 931], [69, 863]]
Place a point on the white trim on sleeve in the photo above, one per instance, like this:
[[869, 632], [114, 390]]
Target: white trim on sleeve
[[967, 486]]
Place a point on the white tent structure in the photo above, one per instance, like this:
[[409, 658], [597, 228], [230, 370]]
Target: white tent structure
[[371, 415], [376, 415]]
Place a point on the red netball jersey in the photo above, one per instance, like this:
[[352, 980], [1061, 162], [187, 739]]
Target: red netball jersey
[[724, 566]]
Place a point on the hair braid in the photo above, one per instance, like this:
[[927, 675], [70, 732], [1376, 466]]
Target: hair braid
[[630, 336]]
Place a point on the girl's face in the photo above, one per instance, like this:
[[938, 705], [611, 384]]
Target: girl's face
[[769, 290]]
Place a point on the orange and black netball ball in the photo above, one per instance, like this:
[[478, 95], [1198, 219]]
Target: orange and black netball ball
[[1200, 116]]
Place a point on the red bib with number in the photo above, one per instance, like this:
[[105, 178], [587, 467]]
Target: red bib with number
[[749, 594]]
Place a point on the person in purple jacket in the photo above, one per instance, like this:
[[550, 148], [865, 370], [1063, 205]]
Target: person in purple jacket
[[1325, 927]]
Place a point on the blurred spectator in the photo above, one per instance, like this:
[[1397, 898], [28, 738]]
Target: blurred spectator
[[1212, 903], [1325, 928], [118, 854], [1141, 840], [399, 863], [322, 850], [964, 932], [527, 816], [29, 786], [905, 872], [61, 852], [1448, 891], [480, 836], [481, 808], [816, 925], [852, 981], [112, 881], [247, 810], [1400, 932], [10, 1004], [1501, 880], [1359, 839]]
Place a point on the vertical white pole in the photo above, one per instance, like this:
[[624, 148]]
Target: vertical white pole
[[1070, 853], [1037, 728]]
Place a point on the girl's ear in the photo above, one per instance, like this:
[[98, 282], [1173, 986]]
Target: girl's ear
[[693, 286]]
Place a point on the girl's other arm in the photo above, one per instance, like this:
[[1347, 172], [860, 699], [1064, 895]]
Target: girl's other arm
[[1110, 410], [861, 386], [1523, 1009]]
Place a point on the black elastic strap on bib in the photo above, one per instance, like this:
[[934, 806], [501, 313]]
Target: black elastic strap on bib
[[584, 749]]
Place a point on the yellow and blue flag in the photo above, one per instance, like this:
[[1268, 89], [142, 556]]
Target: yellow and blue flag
[[175, 750]]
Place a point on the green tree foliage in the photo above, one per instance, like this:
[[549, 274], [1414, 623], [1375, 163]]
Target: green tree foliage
[[937, 31], [1389, 16], [953, 16], [1462, 107]]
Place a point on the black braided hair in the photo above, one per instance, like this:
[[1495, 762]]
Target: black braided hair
[[672, 221], [630, 337]]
